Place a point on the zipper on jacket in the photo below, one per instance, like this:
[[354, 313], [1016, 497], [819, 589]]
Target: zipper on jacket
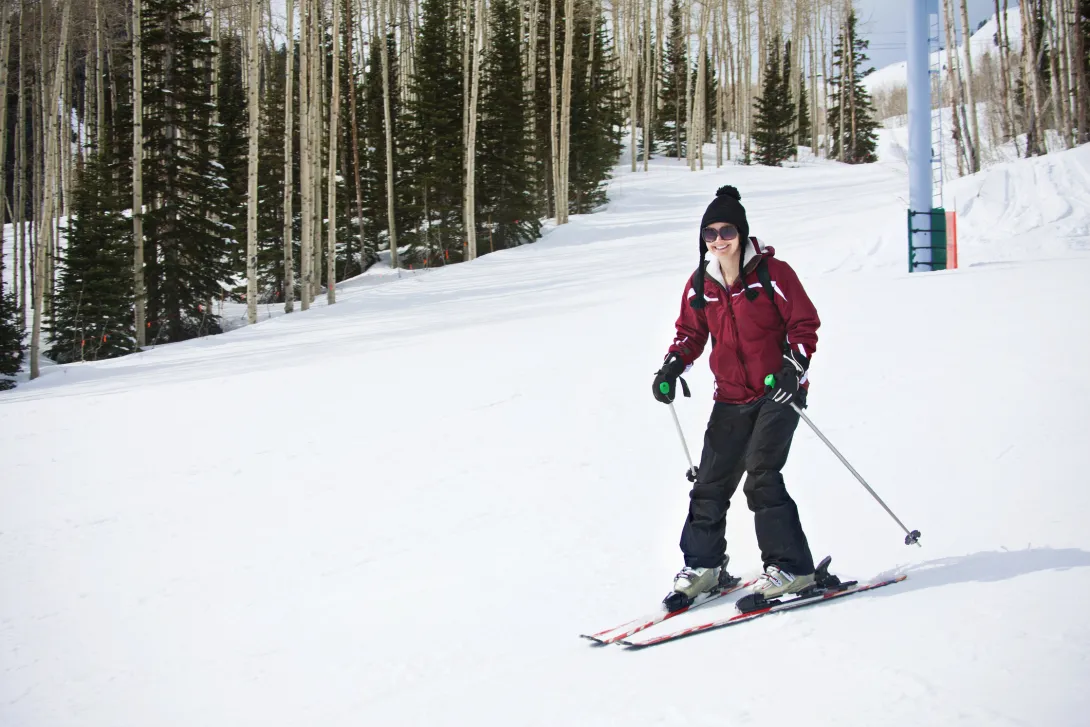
[[737, 334]]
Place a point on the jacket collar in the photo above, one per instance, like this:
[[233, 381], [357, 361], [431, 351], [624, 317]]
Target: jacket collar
[[751, 255]]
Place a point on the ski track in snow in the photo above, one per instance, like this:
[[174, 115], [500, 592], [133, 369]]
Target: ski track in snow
[[403, 509]]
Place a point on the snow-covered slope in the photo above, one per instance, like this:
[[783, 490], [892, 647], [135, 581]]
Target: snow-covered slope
[[403, 509], [981, 42]]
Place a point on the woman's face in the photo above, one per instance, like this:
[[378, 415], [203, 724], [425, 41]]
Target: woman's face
[[724, 250]]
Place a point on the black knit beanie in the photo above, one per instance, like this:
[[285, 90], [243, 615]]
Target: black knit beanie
[[726, 207]]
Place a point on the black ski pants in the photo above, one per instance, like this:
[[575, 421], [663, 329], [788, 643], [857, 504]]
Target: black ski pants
[[753, 438]]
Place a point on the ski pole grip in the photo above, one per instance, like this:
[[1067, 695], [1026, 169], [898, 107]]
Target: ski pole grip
[[664, 387], [770, 381]]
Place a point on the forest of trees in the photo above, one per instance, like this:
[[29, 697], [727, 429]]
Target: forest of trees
[[160, 157]]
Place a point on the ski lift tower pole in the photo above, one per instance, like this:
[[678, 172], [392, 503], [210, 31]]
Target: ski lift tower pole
[[919, 136]]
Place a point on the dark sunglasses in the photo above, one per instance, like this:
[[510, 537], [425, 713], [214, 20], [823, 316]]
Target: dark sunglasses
[[710, 234]]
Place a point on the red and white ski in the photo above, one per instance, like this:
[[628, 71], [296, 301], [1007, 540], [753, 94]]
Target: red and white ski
[[630, 628], [775, 606]]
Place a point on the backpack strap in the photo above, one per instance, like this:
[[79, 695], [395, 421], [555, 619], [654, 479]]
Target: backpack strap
[[766, 279]]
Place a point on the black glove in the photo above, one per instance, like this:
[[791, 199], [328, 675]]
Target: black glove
[[784, 386], [665, 387]]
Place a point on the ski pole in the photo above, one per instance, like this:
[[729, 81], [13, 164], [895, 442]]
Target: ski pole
[[911, 537], [691, 474], [664, 387]]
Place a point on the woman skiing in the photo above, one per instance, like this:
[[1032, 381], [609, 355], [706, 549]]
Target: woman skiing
[[761, 322]]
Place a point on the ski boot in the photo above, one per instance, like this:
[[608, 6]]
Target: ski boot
[[691, 582], [774, 583]]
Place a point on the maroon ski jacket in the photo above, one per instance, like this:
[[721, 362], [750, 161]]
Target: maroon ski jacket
[[748, 335]]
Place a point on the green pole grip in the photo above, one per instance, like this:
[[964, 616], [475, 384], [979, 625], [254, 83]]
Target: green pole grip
[[770, 380], [664, 387]]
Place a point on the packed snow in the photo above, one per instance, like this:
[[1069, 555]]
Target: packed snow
[[403, 509]]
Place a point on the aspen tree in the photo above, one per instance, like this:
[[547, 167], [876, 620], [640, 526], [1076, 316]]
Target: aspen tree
[[478, 24], [974, 139], [317, 120], [553, 146], [1058, 92], [649, 75], [139, 289], [696, 138], [1003, 73], [251, 194], [334, 133], [19, 274], [633, 24], [355, 127], [49, 187], [1082, 83], [565, 110], [100, 86], [688, 18], [383, 54], [531, 72], [289, 105], [306, 186], [955, 94], [5, 53]]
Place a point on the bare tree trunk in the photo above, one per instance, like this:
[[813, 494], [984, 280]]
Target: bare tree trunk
[[5, 53], [334, 133], [139, 290], [717, 64], [306, 165], [1036, 125], [633, 25], [1083, 97], [648, 82], [974, 139], [955, 93], [100, 85], [251, 194], [470, 209], [49, 189], [1058, 87], [687, 8], [732, 124], [565, 108], [1004, 72], [553, 141], [531, 77], [19, 274], [700, 101], [289, 103], [355, 131], [319, 119], [390, 193]]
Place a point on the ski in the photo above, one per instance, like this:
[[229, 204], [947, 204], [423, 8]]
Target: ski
[[845, 589], [630, 628]]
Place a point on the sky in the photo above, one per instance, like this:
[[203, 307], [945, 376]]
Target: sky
[[883, 22]]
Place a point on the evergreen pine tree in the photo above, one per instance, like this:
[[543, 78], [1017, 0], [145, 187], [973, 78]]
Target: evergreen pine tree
[[11, 339], [93, 305], [504, 176], [596, 117], [803, 123], [775, 116], [232, 154], [859, 148], [189, 248], [433, 128], [670, 127]]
